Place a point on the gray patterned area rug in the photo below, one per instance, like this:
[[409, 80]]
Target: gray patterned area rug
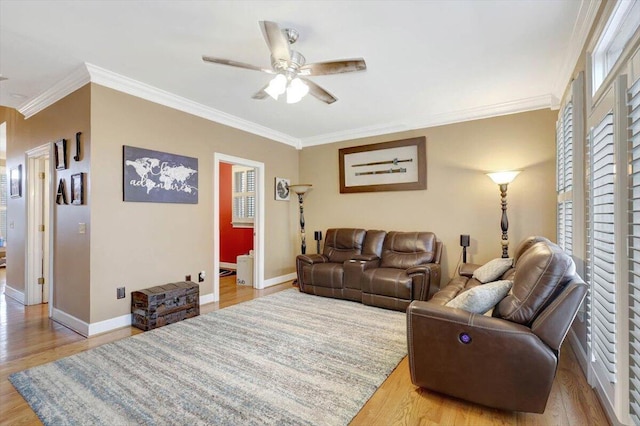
[[285, 359]]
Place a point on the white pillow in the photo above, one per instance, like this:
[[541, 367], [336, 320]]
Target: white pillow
[[492, 270], [480, 299]]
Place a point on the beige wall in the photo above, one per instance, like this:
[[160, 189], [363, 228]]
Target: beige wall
[[139, 245], [71, 251], [460, 198]]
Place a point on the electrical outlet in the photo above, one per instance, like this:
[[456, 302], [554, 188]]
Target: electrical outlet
[[120, 293], [201, 276], [187, 277]]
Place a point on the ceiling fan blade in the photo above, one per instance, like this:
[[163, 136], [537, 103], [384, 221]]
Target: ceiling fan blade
[[319, 92], [333, 67], [277, 42], [3, 78], [261, 94], [235, 64]]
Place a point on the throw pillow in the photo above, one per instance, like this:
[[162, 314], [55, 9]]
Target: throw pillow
[[480, 299], [492, 270]]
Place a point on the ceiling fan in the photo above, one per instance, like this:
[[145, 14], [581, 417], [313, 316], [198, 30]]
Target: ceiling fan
[[290, 69]]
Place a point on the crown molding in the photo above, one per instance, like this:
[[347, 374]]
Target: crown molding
[[72, 82], [133, 87], [488, 111], [584, 22]]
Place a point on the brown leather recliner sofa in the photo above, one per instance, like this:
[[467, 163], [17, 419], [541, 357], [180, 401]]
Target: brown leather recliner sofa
[[378, 268], [508, 359]]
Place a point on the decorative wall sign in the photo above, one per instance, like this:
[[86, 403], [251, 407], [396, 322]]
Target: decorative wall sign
[[77, 189], [389, 166], [77, 156], [61, 194], [15, 176], [282, 189], [61, 154], [159, 177]]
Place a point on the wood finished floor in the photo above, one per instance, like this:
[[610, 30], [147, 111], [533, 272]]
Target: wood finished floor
[[28, 338]]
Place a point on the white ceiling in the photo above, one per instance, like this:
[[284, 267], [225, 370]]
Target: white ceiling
[[428, 62]]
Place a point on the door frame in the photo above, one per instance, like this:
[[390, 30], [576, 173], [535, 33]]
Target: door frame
[[33, 194], [258, 224]]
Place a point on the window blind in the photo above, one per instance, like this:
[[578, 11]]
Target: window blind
[[564, 177], [634, 252], [601, 247]]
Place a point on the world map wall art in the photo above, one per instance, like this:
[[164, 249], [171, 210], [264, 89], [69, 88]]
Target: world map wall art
[[159, 177]]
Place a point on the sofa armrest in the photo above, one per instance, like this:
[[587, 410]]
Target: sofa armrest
[[467, 269], [478, 358], [426, 280], [312, 258]]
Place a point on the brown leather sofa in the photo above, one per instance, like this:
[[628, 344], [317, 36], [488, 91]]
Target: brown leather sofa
[[507, 360], [377, 268]]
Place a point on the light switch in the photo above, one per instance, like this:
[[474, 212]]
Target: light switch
[[82, 228]]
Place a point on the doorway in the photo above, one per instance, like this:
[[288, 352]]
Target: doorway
[[38, 283], [258, 225]]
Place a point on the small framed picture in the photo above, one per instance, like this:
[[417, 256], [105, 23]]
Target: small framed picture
[[15, 177], [282, 189], [77, 189], [61, 154]]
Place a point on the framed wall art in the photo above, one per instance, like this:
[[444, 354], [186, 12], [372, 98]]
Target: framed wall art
[[15, 182], [389, 166], [61, 154], [77, 189], [159, 177], [281, 189]]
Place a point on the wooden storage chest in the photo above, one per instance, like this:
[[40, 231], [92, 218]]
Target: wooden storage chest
[[164, 304]]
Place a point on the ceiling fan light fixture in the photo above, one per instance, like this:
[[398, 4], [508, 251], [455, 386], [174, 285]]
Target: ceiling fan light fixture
[[277, 86], [296, 91]]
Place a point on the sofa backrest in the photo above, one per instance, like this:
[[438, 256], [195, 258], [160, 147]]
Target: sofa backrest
[[342, 244], [403, 250], [373, 242], [541, 273]]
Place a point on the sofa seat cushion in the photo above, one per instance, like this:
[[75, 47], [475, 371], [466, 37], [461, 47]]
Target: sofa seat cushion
[[390, 282], [324, 275]]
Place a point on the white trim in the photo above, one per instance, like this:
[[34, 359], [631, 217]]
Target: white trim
[[72, 82], [586, 17], [486, 111], [279, 280], [71, 322], [14, 294], [141, 90], [259, 223], [228, 265], [206, 298], [110, 324]]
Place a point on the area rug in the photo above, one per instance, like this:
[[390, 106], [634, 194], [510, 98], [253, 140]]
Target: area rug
[[224, 272], [285, 359]]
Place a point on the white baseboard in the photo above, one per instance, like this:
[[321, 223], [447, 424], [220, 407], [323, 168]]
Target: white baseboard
[[279, 280], [110, 324], [71, 322], [581, 355], [228, 265], [206, 298], [14, 294]]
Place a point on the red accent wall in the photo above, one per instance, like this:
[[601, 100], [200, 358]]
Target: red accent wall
[[233, 241]]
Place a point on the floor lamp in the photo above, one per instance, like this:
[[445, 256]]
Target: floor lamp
[[503, 179], [301, 189]]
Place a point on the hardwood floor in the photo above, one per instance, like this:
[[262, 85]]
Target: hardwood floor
[[28, 338]]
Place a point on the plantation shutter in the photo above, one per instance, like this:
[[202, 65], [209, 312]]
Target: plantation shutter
[[634, 252], [244, 196], [601, 247], [564, 177]]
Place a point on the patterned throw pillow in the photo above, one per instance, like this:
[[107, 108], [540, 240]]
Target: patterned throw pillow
[[492, 270], [482, 298]]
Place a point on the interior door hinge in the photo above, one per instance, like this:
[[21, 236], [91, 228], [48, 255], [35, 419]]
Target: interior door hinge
[[41, 175], [41, 228], [41, 280]]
